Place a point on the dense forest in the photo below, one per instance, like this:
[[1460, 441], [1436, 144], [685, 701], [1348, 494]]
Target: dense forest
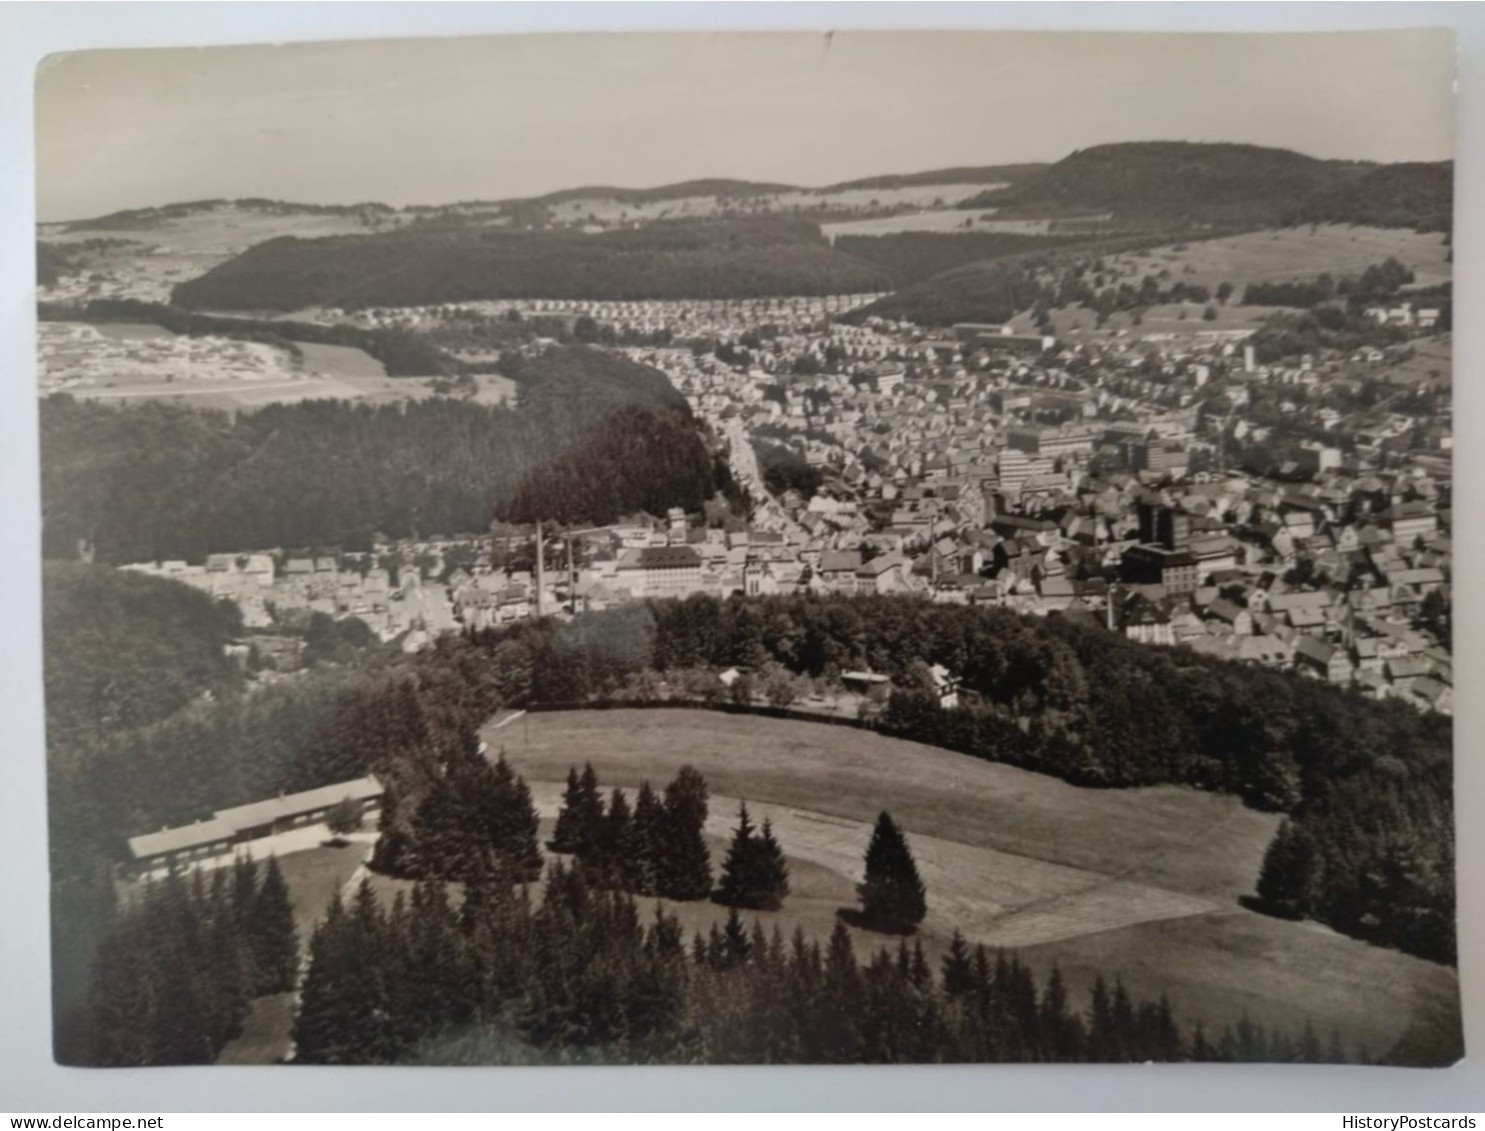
[[178, 966], [595, 437], [1247, 185], [403, 354], [1094, 709], [910, 257], [173, 636], [1408, 195], [696, 259]]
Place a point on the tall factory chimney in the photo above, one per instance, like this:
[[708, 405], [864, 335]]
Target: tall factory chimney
[[571, 580], [541, 573]]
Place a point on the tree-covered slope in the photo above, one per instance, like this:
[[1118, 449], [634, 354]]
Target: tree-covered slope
[[1411, 195], [1201, 183], [959, 175], [595, 437], [433, 264], [125, 650], [1176, 182]]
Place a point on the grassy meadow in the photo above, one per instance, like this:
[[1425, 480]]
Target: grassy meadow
[[1142, 884]]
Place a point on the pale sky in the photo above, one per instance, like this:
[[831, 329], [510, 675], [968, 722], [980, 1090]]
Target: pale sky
[[436, 120]]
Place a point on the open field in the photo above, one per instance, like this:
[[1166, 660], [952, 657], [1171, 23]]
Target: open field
[[340, 361], [491, 388], [939, 220], [1196, 843], [313, 876], [1137, 884], [133, 331], [608, 210], [129, 362], [1079, 324], [1287, 254], [1218, 966], [167, 251], [995, 897]]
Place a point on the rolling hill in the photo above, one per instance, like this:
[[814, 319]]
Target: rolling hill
[[1200, 183], [595, 437], [1411, 195], [710, 186], [418, 265], [1176, 182], [960, 175]]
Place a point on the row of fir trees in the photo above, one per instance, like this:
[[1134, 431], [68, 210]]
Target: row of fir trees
[[468, 818], [657, 848], [581, 977]]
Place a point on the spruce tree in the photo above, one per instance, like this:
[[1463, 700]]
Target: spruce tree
[[324, 1027], [892, 896], [772, 870], [1285, 882], [590, 812], [275, 942], [735, 944], [615, 859], [920, 975], [514, 824], [958, 971], [395, 852], [755, 874], [244, 886], [229, 976], [736, 885], [565, 836], [649, 841], [685, 862]]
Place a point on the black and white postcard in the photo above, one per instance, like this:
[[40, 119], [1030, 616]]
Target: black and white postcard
[[669, 548]]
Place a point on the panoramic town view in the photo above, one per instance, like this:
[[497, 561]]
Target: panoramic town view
[[988, 612]]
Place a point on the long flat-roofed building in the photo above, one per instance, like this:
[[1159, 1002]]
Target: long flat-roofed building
[[228, 829]]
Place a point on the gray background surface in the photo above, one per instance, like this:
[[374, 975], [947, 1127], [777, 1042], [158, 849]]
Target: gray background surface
[[30, 1082]]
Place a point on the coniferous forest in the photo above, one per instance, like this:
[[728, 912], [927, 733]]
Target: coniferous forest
[[584, 976], [418, 265], [595, 437], [173, 976]]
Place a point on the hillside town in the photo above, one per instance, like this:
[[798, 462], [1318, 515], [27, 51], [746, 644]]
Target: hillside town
[[1168, 487]]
